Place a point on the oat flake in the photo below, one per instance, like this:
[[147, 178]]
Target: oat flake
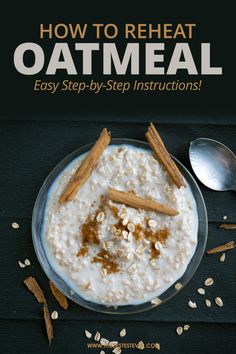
[[27, 262], [123, 332], [15, 225], [201, 291], [178, 286], [88, 334], [222, 258], [140, 345], [186, 327], [54, 315], [192, 304], [97, 337], [179, 330], [156, 301], [22, 265], [104, 341], [117, 350], [219, 301], [208, 282], [157, 346]]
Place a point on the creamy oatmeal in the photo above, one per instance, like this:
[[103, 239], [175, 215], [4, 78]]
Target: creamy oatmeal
[[113, 254]]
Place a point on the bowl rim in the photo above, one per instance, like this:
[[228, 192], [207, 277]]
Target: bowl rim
[[111, 309]]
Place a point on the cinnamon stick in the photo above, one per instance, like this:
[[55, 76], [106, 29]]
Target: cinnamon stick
[[86, 168], [48, 323], [227, 246], [135, 201], [157, 145], [228, 226], [34, 287], [62, 300]]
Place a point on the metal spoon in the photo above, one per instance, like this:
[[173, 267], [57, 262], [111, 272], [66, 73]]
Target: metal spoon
[[213, 163]]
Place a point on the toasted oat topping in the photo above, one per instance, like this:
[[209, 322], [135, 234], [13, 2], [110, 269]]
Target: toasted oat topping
[[208, 303]]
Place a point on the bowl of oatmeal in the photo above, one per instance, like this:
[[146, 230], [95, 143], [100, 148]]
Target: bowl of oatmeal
[[112, 257]]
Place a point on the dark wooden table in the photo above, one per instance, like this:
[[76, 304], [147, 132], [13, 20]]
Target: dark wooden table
[[29, 150]]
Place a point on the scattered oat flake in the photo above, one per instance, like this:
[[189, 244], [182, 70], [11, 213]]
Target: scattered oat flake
[[22, 265], [192, 304], [186, 327], [34, 287], [208, 303], [201, 291], [97, 336], [62, 300], [104, 341], [178, 286], [27, 262], [219, 301], [225, 217], [54, 315], [157, 346], [87, 334], [102, 352], [222, 258], [123, 332], [228, 226], [48, 323], [208, 282], [117, 350], [140, 345], [15, 225], [179, 330], [156, 301]]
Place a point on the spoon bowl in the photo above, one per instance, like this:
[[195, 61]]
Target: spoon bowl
[[213, 163]]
